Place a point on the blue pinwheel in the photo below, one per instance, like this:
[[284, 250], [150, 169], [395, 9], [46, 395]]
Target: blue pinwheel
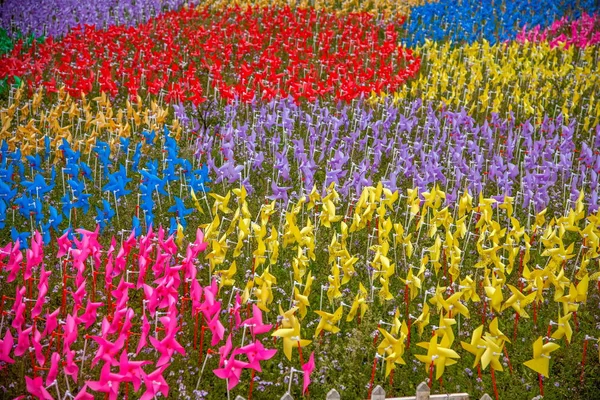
[[149, 136], [54, 219], [35, 162], [180, 210], [102, 149], [199, 179], [136, 228], [6, 193], [136, 157], [117, 182], [21, 237], [104, 215], [86, 171], [38, 186], [3, 209], [25, 205], [80, 198]]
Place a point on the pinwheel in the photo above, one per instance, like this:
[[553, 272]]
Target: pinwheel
[[393, 350], [231, 371], [256, 322], [359, 303], [328, 322], [438, 355], [155, 383], [307, 370], [476, 346], [36, 387], [289, 331], [6, 348], [518, 301], [255, 352], [109, 382], [563, 328], [541, 357], [301, 300]]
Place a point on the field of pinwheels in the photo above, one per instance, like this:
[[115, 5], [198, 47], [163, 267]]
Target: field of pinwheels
[[200, 200]]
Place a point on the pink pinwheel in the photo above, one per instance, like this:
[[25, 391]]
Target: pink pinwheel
[[308, 368], [42, 291], [256, 353], [231, 371], [34, 255], [132, 370], [195, 295], [256, 322], [155, 383], [71, 368], [14, 262], [167, 346], [5, 251], [6, 346], [83, 394], [23, 343], [37, 346], [36, 387], [53, 371], [225, 350], [107, 351], [210, 307], [235, 311], [64, 244], [151, 299], [19, 309], [79, 294], [71, 331], [51, 322], [90, 314], [217, 330], [19, 319], [143, 335], [199, 244], [109, 382], [121, 293]]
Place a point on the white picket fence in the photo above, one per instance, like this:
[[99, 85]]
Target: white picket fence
[[378, 393]]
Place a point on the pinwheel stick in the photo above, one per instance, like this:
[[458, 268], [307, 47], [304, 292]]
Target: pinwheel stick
[[202, 371], [585, 343], [83, 356], [494, 383]]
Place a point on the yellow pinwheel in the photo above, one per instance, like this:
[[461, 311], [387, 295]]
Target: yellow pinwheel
[[423, 319], [492, 352], [221, 203], [328, 322], [563, 327], [495, 332], [359, 303], [413, 283], [540, 362], [289, 331], [518, 301], [302, 299], [226, 276], [476, 346], [393, 349], [438, 355]]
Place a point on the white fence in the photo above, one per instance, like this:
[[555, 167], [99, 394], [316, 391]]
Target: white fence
[[423, 393]]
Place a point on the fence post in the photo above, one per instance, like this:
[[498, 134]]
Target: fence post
[[423, 391], [333, 395], [378, 393]]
